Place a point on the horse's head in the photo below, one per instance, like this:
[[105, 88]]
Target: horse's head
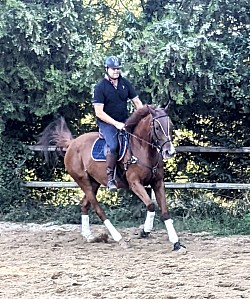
[[162, 127]]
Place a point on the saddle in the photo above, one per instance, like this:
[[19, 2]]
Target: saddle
[[99, 148]]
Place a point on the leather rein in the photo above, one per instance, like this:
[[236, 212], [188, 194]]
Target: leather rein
[[156, 144]]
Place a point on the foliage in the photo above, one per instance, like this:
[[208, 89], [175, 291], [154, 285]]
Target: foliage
[[187, 54], [13, 158], [194, 53], [196, 214], [49, 59]]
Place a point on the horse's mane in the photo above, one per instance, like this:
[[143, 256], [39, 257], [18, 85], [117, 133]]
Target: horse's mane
[[133, 120]]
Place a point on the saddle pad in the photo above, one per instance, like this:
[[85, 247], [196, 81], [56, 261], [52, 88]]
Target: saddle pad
[[99, 149]]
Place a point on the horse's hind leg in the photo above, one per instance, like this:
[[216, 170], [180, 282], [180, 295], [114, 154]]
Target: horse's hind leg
[[90, 190], [85, 229]]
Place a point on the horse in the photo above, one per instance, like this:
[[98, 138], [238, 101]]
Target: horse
[[149, 132]]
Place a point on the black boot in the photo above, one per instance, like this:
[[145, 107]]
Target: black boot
[[111, 160]]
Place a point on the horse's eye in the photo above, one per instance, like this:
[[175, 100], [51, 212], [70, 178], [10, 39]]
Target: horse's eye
[[157, 128]]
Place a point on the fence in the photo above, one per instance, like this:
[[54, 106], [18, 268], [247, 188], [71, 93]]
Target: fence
[[168, 185]]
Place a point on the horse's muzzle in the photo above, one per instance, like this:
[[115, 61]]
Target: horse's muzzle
[[168, 151]]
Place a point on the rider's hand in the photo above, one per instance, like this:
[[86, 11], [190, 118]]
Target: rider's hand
[[119, 125]]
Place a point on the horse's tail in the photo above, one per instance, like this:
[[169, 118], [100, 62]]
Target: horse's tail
[[55, 134]]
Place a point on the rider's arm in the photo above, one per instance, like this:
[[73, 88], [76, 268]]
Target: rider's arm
[[137, 102], [106, 118]]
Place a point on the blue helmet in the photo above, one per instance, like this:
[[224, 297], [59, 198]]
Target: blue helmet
[[112, 62]]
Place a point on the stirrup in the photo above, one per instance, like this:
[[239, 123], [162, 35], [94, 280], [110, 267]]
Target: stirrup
[[112, 185]]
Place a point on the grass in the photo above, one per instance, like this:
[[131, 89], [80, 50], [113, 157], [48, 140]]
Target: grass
[[220, 223]]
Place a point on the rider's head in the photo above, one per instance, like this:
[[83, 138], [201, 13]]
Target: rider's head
[[112, 67]]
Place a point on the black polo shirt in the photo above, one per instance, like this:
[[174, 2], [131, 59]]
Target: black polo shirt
[[114, 99]]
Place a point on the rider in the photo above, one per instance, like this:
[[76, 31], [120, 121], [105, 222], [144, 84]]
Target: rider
[[111, 95]]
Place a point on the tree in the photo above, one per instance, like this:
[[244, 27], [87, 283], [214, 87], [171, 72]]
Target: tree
[[194, 54]]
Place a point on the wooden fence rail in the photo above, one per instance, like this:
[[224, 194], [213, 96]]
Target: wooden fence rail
[[180, 149], [168, 185]]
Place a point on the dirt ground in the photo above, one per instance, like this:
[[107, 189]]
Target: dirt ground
[[46, 261]]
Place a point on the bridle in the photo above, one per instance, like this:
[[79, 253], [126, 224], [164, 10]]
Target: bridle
[[156, 143], [156, 138]]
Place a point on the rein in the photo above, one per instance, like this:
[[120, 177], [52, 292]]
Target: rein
[[134, 160], [136, 137], [155, 144]]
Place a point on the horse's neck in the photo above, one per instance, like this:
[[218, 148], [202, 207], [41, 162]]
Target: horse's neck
[[143, 138], [142, 130]]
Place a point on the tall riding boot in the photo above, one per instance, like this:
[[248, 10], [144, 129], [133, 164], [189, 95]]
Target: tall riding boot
[[111, 160]]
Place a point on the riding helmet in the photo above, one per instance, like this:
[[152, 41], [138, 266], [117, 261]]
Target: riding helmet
[[112, 62]]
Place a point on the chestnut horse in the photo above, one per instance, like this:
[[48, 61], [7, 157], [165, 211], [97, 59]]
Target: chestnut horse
[[150, 141]]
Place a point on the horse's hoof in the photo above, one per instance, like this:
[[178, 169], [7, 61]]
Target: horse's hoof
[[125, 243], [180, 248], [144, 234], [90, 239], [102, 238]]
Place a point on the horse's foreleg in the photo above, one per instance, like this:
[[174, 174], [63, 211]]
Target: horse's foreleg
[[141, 192], [161, 200], [148, 224]]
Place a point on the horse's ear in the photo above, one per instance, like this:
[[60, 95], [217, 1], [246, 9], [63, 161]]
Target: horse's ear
[[167, 106], [151, 110]]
